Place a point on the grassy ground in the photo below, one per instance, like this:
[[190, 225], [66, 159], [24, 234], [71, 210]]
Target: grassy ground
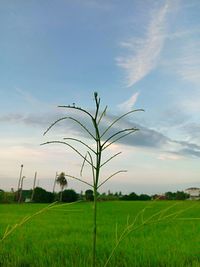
[[62, 236]]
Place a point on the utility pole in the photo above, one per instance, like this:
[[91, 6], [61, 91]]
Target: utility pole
[[34, 183], [54, 184], [19, 182], [21, 189]]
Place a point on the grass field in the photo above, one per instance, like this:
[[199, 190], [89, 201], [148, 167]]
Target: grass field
[[62, 236]]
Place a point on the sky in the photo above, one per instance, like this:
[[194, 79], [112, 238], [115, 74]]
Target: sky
[[137, 54]]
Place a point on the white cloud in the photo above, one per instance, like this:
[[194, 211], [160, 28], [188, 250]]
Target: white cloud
[[128, 105], [144, 53], [182, 33], [169, 157], [185, 66], [188, 64], [191, 104], [32, 100], [28, 97]]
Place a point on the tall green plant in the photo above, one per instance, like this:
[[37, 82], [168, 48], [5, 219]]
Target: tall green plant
[[94, 156]]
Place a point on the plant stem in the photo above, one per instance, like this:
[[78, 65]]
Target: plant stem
[[95, 183], [94, 228]]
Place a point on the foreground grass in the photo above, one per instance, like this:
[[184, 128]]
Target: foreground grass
[[63, 236]]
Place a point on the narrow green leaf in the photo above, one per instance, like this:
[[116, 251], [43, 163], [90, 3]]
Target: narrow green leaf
[[119, 138], [77, 108], [110, 159], [64, 143], [111, 177], [78, 179], [78, 140], [102, 114], [82, 166], [119, 118], [119, 132]]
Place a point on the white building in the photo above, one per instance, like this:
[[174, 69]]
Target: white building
[[194, 193]]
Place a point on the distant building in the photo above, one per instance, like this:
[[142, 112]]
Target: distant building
[[194, 193]]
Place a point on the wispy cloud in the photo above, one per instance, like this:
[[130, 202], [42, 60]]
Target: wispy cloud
[[182, 33], [167, 156], [27, 97], [31, 99], [185, 66], [192, 130], [188, 63], [129, 104], [146, 137], [144, 53]]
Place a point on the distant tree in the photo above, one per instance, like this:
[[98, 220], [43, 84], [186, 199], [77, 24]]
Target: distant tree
[[170, 195], [62, 181], [1, 196], [26, 194], [109, 197], [89, 195], [42, 196], [159, 197], [124, 197], [112, 197], [69, 195], [131, 196], [144, 197], [7, 197], [81, 196], [134, 196], [180, 195], [103, 197]]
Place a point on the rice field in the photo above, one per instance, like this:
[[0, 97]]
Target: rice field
[[145, 234]]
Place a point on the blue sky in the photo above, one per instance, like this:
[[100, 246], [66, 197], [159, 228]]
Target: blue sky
[[136, 54]]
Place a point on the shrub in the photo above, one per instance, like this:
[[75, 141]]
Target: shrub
[[144, 197], [7, 197], [42, 196], [69, 195], [89, 195], [1, 195]]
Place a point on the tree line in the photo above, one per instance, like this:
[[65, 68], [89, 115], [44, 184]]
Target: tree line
[[69, 195]]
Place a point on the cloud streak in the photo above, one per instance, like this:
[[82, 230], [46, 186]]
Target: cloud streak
[[32, 100], [188, 64], [144, 53], [146, 137], [128, 105]]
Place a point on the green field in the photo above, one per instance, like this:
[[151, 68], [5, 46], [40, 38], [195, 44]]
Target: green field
[[62, 236]]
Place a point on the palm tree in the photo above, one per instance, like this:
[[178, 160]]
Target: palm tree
[[62, 181]]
